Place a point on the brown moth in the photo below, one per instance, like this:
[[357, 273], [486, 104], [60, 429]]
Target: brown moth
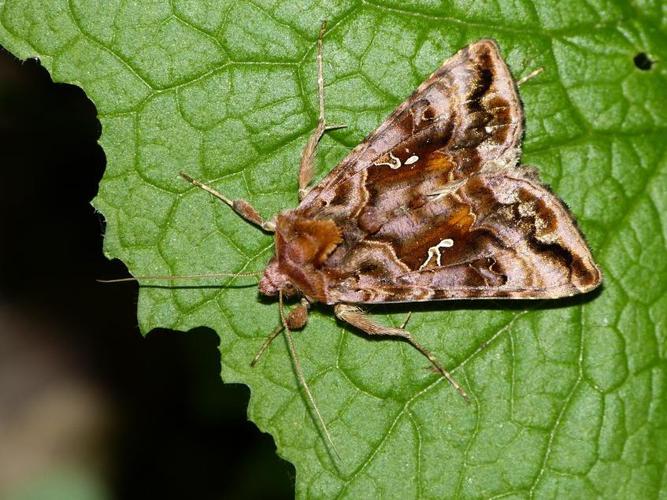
[[433, 205]]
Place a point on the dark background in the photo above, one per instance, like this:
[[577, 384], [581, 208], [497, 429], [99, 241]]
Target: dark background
[[80, 389]]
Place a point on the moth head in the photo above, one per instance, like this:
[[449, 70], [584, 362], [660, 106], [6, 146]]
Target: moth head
[[274, 280]]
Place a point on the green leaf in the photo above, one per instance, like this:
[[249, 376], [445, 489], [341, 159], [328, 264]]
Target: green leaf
[[569, 397]]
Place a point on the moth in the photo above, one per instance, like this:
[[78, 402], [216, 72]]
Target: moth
[[432, 205]]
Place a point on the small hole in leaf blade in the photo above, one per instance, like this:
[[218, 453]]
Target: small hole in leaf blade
[[643, 62]]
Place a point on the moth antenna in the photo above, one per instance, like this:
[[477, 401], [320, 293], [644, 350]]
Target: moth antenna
[[301, 377], [183, 277], [267, 342]]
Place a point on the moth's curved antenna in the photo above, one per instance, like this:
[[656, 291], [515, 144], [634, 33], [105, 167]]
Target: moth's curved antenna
[[301, 377], [182, 277]]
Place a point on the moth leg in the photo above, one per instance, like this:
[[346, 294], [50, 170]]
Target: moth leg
[[356, 317], [296, 320], [530, 75], [240, 206], [306, 166], [405, 321], [265, 345]]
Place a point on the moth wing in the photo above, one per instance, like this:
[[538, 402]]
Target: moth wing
[[433, 206], [466, 117], [500, 235]]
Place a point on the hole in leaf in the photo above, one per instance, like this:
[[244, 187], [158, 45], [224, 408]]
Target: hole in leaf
[[642, 61]]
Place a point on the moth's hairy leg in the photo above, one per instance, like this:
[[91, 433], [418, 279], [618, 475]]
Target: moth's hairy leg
[[240, 206], [356, 317], [306, 166], [530, 75], [296, 320], [267, 342], [405, 321]]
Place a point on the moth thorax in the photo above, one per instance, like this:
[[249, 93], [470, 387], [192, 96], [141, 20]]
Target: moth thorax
[[302, 247], [304, 242]]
